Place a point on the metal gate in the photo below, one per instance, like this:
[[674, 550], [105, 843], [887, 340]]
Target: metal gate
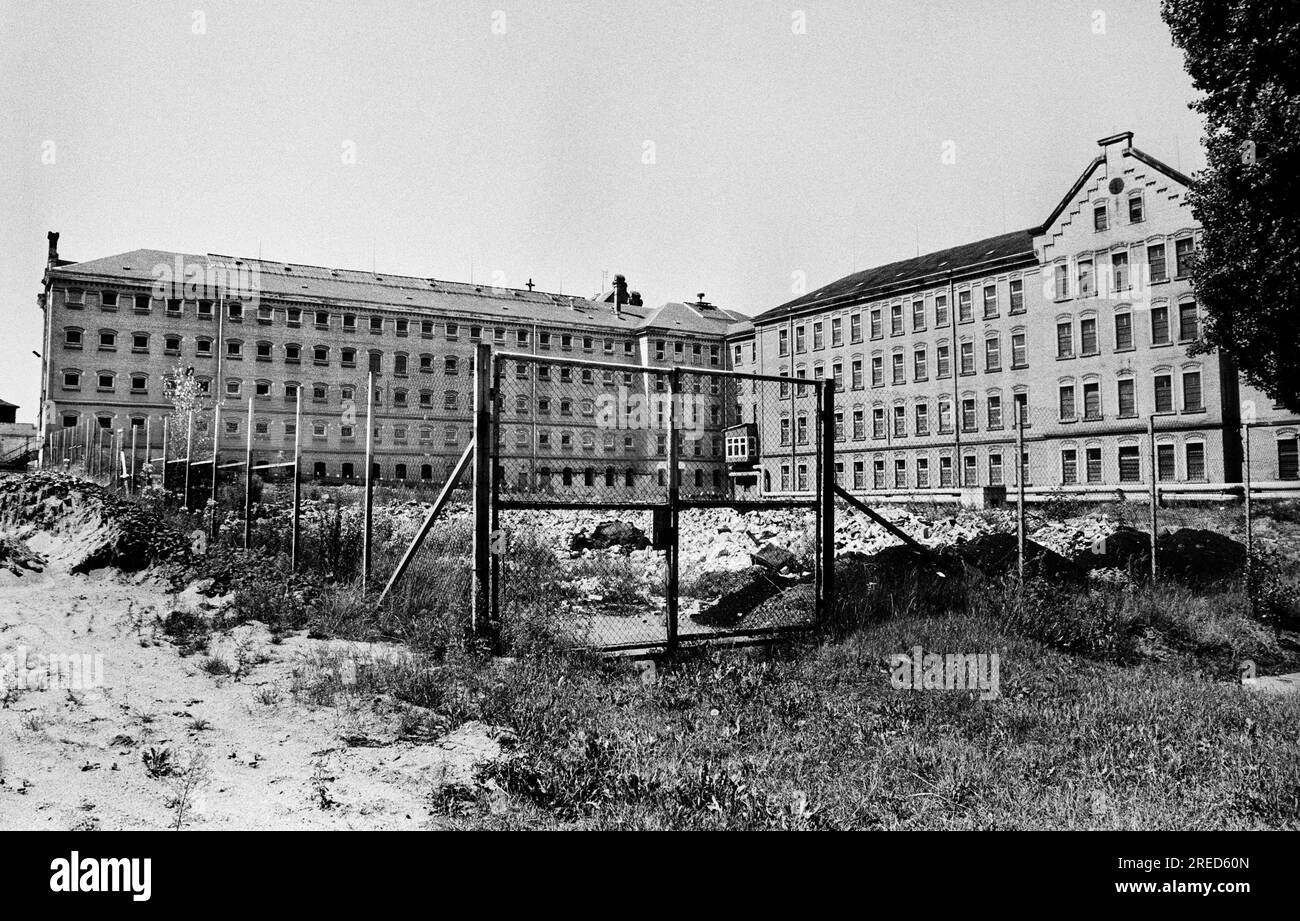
[[627, 507]]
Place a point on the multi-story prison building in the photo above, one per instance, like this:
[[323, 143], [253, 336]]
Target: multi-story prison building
[[1082, 325], [120, 330]]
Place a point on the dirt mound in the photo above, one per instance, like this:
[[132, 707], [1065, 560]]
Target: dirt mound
[[1126, 549], [996, 555], [609, 534], [16, 557], [80, 526], [1198, 557]]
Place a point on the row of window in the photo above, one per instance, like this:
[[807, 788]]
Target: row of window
[[1085, 342], [1109, 273]]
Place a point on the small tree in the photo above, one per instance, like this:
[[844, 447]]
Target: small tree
[[186, 395], [1243, 56]]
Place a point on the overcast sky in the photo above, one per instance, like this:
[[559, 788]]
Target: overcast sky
[[717, 147]]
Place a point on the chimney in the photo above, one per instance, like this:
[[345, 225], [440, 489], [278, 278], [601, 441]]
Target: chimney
[[53, 257], [634, 298], [620, 294]]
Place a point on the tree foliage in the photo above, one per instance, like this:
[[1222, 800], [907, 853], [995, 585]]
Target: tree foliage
[[1244, 56]]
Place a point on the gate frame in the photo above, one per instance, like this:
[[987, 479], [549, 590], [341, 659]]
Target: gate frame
[[488, 502]]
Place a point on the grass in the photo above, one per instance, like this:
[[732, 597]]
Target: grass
[[1118, 704]]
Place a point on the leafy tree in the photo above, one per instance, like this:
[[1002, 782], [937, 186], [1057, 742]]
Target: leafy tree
[[185, 395], [1245, 57]]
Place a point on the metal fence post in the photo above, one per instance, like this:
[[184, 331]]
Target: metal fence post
[[165, 446], [1020, 489], [248, 478], [369, 486], [216, 454], [297, 481], [189, 456], [133, 451], [482, 489], [674, 490], [1250, 527], [1151, 453], [826, 484]]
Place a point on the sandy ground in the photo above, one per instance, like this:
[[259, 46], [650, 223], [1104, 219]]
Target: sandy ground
[[74, 759]]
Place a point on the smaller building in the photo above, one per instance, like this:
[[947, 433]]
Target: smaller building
[[19, 441]]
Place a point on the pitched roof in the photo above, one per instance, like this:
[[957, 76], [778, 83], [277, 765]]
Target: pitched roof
[[341, 287], [8, 405], [692, 318], [1012, 247]]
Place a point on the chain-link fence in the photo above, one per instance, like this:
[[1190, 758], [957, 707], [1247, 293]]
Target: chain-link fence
[[635, 507]]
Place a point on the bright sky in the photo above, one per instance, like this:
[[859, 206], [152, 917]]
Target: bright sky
[[693, 146]]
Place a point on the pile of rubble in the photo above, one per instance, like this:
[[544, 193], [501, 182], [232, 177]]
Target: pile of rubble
[[80, 526]]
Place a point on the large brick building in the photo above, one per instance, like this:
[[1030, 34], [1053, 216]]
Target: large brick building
[[119, 330], [1082, 323]]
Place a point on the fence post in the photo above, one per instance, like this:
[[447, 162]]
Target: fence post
[[1020, 489], [297, 480], [165, 446], [826, 482], [216, 455], [482, 488], [1250, 528], [248, 478], [133, 451], [674, 491], [189, 453], [1151, 453], [369, 481]]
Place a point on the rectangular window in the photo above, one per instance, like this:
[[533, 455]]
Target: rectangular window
[[969, 471], [1092, 401], [968, 358], [1192, 392], [1067, 403], [897, 367], [1187, 324], [942, 364], [877, 371], [1069, 467], [837, 331], [919, 370], [1196, 461], [856, 382], [1088, 336], [922, 419], [800, 341], [896, 320], [1135, 210], [995, 411], [878, 474], [965, 312], [1160, 325], [1130, 464], [1017, 287], [877, 331], [1184, 252], [1099, 217], [900, 421], [940, 310], [1127, 398], [990, 301], [859, 425], [992, 355], [945, 417], [945, 471], [900, 473], [782, 344], [1165, 462], [1065, 340], [1288, 460], [922, 472], [1156, 270], [878, 422], [995, 469], [1062, 273], [819, 341], [1119, 271], [1164, 393], [968, 415], [1123, 331], [1019, 357], [1087, 287], [1093, 458], [855, 327], [918, 315], [859, 475]]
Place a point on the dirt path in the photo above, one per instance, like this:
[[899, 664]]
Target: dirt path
[[75, 758]]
